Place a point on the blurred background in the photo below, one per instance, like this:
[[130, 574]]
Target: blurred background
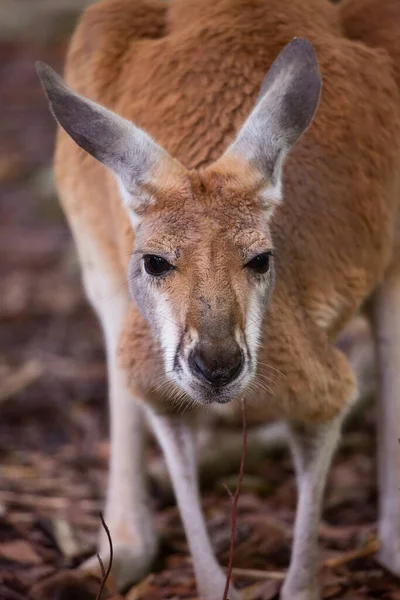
[[52, 377], [53, 411]]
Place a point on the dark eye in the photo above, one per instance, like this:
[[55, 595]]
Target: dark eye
[[156, 265], [260, 263]]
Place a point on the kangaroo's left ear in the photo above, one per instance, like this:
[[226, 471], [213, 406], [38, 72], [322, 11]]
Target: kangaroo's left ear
[[285, 108], [134, 157]]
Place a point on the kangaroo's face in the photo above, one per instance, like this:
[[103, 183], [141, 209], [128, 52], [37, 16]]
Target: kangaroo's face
[[202, 269], [202, 273]]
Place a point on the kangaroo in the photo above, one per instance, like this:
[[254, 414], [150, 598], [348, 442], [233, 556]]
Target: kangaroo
[[230, 218]]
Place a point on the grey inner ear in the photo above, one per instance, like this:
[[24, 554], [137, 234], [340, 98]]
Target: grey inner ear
[[295, 75], [285, 108], [112, 140]]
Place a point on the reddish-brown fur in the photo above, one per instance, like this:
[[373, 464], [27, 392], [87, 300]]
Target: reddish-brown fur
[[376, 24], [189, 72]]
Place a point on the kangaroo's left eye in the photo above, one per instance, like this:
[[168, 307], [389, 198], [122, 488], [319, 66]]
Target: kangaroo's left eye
[[260, 264], [156, 265]]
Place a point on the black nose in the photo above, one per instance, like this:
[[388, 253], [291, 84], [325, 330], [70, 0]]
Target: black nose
[[216, 365]]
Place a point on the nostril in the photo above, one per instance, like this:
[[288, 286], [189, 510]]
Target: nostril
[[199, 365], [213, 369], [236, 364]]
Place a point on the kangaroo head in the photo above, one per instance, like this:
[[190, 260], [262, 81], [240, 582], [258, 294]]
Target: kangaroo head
[[202, 268]]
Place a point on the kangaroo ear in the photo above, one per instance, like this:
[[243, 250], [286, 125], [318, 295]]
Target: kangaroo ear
[[125, 149], [285, 108]]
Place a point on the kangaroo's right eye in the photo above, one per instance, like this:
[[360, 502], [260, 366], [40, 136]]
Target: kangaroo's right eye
[[260, 264], [156, 265]]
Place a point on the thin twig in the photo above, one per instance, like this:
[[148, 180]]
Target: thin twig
[[228, 491], [235, 501], [20, 379], [104, 573], [258, 574], [371, 548]]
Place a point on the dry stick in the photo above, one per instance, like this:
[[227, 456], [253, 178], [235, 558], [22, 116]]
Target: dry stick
[[235, 501], [22, 378], [258, 574], [371, 548], [104, 573]]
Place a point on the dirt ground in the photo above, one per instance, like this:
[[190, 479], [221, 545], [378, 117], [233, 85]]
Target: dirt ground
[[53, 412]]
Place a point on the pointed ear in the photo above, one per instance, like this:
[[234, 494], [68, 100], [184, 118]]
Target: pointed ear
[[285, 108], [125, 149]]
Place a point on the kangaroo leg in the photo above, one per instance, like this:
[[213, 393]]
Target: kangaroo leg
[[127, 511], [385, 313], [312, 449], [176, 439]]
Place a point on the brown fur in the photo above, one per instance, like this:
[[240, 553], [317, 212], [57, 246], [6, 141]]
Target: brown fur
[[189, 72], [376, 24]]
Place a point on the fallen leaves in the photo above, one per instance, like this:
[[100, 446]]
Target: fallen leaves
[[141, 589], [368, 550], [20, 552], [18, 380]]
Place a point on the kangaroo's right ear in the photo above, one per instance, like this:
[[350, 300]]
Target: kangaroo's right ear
[[127, 150], [286, 105]]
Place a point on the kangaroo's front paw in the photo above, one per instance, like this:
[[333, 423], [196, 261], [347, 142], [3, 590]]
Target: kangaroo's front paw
[[129, 566], [300, 595], [233, 593], [212, 585], [289, 592], [389, 558]]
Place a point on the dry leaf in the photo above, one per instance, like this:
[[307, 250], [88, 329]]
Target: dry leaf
[[19, 551]]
